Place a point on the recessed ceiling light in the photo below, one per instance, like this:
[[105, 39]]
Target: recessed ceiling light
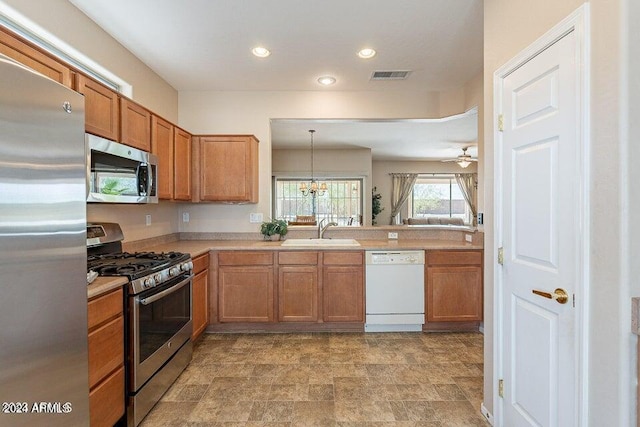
[[326, 80], [261, 52], [367, 53]]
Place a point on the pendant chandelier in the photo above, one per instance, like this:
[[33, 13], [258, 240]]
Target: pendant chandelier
[[313, 188]]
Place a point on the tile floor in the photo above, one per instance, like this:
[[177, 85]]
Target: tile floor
[[328, 379]]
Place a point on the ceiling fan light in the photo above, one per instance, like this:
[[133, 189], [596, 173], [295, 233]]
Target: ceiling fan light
[[463, 163]]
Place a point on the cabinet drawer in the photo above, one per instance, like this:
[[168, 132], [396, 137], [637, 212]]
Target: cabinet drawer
[[298, 258], [106, 402], [200, 263], [343, 258], [104, 307], [454, 257], [245, 258], [106, 350]]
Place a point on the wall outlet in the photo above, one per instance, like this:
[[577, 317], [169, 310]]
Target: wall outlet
[[468, 238], [185, 216], [392, 236], [255, 217], [147, 219]]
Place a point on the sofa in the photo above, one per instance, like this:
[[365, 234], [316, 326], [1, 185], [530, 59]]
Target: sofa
[[433, 221]]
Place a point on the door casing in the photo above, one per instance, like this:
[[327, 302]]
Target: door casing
[[578, 22]]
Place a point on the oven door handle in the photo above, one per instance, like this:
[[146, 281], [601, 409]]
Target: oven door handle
[[156, 297]]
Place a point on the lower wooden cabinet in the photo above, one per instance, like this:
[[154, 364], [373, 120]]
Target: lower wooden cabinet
[[343, 287], [200, 295], [245, 287], [106, 358], [298, 287], [453, 287]]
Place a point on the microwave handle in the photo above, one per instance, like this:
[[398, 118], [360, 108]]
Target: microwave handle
[[142, 178]]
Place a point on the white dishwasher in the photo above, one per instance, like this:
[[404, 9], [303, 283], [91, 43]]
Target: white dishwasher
[[394, 291]]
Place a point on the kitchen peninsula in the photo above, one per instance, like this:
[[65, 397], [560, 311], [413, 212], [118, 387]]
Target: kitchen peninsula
[[243, 283]]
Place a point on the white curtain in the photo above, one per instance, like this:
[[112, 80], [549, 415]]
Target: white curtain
[[402, 185], [468, 183]]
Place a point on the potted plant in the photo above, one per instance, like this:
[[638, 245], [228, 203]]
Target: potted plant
[[272, 228], [375, 205]]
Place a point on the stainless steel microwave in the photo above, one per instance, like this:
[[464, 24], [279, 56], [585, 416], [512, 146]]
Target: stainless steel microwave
[[118, 173]]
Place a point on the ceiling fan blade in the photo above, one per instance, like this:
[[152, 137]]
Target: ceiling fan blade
[[449, 160]]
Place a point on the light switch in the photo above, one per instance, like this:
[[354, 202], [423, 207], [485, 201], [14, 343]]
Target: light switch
[[148, 219], [185, 216]]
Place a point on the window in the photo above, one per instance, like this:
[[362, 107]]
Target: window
[[438, 196], [49, 43], [342, 203]]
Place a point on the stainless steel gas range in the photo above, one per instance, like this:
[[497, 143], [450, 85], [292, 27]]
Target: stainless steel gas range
[[158, 316]]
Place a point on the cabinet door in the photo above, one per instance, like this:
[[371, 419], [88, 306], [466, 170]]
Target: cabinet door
[[32, 57], [343, 294], [245, 294], [162, 146], [229, 168], [102, 109], [135, 125], [182, 165], [298, 293], [454, 293], [200, 304], [106, 401]]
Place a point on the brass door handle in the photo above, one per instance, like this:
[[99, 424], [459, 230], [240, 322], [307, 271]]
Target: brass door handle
[[560, 295]]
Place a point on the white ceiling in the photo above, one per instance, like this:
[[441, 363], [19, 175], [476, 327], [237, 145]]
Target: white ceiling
[[206, 45], [410, 139]]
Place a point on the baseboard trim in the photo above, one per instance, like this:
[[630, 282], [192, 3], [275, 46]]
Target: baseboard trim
[[486, 413]]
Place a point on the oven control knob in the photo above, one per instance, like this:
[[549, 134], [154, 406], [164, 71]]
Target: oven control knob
[[174, 271], [148, 282], [157, 277], [186, 266]]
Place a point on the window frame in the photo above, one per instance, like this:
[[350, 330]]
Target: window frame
[[467, 218], [327, 179]]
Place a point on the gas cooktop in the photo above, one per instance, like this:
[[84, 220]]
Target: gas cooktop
[[133, 265]]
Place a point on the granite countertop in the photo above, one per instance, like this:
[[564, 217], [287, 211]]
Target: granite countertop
[[199, 247]]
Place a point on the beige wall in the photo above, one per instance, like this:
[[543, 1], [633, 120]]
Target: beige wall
[[61, 19], [250, 112], [382, 180], [510, 26]]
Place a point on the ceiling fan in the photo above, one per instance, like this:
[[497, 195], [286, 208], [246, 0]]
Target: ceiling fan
[[463, 160]]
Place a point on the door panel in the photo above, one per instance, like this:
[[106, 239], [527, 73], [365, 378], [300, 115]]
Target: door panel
[[540, 222]]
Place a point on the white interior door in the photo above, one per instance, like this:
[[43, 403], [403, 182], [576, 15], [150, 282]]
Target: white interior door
[[539, 161]]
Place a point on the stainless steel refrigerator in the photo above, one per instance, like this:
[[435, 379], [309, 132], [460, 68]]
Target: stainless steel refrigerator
[[43, 292]]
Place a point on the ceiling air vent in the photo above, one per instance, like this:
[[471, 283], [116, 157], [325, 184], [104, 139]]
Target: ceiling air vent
[[390, 75]]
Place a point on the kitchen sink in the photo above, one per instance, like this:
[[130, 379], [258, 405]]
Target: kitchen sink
[[320, 242]]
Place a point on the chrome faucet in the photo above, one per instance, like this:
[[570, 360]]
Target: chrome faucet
[[322, 229]]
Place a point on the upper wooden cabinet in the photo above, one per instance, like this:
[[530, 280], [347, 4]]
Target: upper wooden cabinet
[[162, 146], [227, 168], [102, 108], [181, 165], [135, 125], [29, 55], [172, 145]]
